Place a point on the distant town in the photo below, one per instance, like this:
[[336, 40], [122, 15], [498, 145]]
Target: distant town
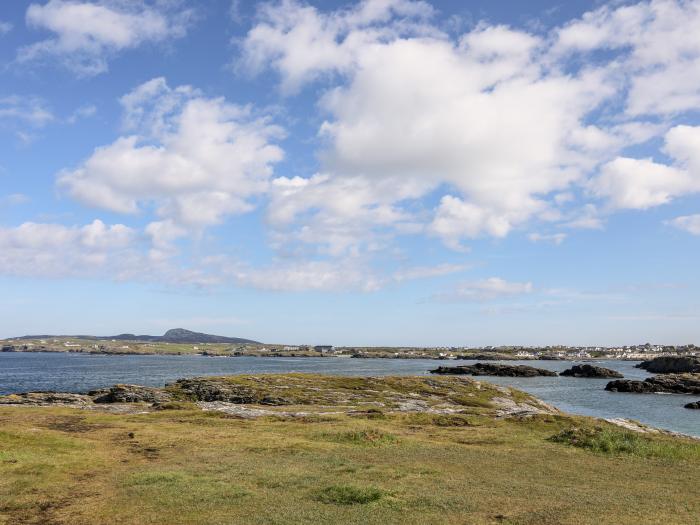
[[88, 344]]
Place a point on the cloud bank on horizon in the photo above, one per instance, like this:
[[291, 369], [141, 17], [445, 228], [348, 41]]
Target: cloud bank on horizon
[[353, 137]]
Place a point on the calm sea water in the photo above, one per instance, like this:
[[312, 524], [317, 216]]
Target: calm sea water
[[22, 372]]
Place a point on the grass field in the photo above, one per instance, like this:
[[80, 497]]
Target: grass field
[[186, 466]]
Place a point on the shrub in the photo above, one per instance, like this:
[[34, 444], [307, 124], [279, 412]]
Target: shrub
[[362, 437], [348, 495]]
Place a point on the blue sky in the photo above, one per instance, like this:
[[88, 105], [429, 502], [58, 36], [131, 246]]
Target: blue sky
[[387, 172]]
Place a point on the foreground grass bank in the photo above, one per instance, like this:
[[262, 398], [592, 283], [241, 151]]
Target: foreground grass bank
[[454, 456]]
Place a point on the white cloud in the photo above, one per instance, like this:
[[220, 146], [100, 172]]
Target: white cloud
[[586, 218], [419, 112], [197, 159], [320, 276], [54, 250], [554, 238], [688, 223], [486, 290], [643, 183], [25, 109], [423, 272], [82, 112], [302, 43], [339, 215], [5, 27], [657, 46], [88, 34]]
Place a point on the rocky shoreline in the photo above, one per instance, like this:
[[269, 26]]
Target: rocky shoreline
[[491, 369], [299, 395]]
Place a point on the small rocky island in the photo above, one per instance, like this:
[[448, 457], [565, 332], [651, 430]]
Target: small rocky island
[[671, 365], [661, 384], [492, 369], [590, 371]]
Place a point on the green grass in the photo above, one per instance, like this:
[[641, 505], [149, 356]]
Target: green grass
[[614, 441]]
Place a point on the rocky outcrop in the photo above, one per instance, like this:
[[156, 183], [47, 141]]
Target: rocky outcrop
[[46, 399], [130, 394], [590, 371], [671, 365], [695, 405], [491, 369], [666, 384], [204, 389]]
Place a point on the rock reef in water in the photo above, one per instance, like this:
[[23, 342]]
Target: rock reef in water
[[490, 369], [590, 371], [693, 406], [663, 384], [671, 365]]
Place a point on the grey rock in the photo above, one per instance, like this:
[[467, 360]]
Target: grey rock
[[665, 383], [130, 394], [590, 371]]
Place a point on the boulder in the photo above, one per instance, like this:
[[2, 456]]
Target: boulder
[[46, 399], [695, 405], [491, 369], [665, 383], [590, 371], [130, 394], [671, 365]]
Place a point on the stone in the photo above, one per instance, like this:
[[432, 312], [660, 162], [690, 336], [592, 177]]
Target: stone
[[695, 405], [590, 371]]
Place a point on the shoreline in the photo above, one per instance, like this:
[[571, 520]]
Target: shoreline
[[481, 357]]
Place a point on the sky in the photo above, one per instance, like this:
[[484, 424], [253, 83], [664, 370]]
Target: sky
[[383, 172]]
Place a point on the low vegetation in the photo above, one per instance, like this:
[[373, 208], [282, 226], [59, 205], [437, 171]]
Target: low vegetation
[[340, 458], [616, 441]]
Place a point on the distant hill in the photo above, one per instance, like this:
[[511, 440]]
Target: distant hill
[[175, 335]]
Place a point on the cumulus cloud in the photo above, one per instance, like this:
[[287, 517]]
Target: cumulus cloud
[[486, 290], [688, 223], [198, 159], [415, 111], [643, 183], [88, 34], [54, 250], [500, 121]]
